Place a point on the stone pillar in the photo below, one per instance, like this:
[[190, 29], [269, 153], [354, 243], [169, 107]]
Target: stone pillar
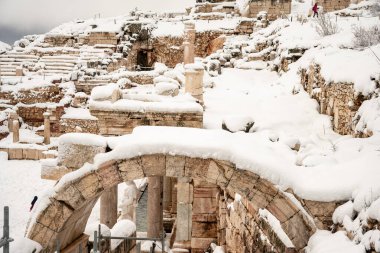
[[188, 44], [174, 196], [155, 215], [194, 81], [129, 202], [184, 213], [11, 117], [19, 71], [16, 131], [108, 207], [167, 194], [47, 132]]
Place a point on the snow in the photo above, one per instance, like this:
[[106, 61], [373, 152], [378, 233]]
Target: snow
[[242, 5], [165, 87], [342, 211], [175, 29], [15, 85], [350, 62], [178, 104], [25, 245], [83, 139], [3, 156], [276, 227], [101, 93], [122, 228], [374, 210], [78, 113], [28, 139], [4, 47], [21, 179], [237, 123], [325, 242], [113, 24], [92, 227]]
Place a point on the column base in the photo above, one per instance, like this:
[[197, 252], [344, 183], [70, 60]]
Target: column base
[[182, 246]]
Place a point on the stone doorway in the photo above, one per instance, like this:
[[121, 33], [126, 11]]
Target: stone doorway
[[144, 60]]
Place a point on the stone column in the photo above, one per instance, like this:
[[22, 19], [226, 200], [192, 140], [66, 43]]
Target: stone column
[[11, 117], [174, 196], [194, 81], [47, 132], [129, 202], [155, 215], [184, 213], [16, 131], [188, 44], [108, 207], [167, 196]]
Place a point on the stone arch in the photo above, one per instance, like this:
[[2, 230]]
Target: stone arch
[[65, 215]]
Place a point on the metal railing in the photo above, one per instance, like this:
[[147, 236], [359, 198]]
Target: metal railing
[[5, 240], [98, 237]]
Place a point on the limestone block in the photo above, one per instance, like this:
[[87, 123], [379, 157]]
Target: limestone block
[[53, 172], [196, 168], [89, 185], [184, 224], [82, 153], [242, 182], [70, 195], [208, 192], [220, 172], [204, 229], [55, 215], [201, 243], [15, 154], [204, 205], [42, 234], [154, 165], [131, 169], [109, 174], [297, 231], [282, 208], [175, 166], [204, 217]]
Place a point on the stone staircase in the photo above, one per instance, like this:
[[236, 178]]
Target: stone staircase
[[91, 54], [10, 61], [59, 64]]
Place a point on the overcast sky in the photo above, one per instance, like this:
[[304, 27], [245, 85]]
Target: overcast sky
[[21, 17]]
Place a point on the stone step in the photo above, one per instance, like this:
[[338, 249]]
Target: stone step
[[59, 68], [18, 60], [4, 68], [50, 71], [9, 62], [12, 55], [8, 73], [63, 63], [58, 58], [66, 64]]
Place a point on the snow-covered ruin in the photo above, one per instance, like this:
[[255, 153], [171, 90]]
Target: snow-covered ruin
[[249, 126]]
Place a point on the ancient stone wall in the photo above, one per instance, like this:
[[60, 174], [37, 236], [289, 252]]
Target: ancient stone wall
[[48, 94], [95, 38], [79, 125], [60, 40], [274, 8], [168, 50], [338, 100], [26, 153], [33, 116], [204, 216], [120, 123], [333, 5]]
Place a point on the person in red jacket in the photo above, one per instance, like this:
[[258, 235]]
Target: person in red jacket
[[315, 10]]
